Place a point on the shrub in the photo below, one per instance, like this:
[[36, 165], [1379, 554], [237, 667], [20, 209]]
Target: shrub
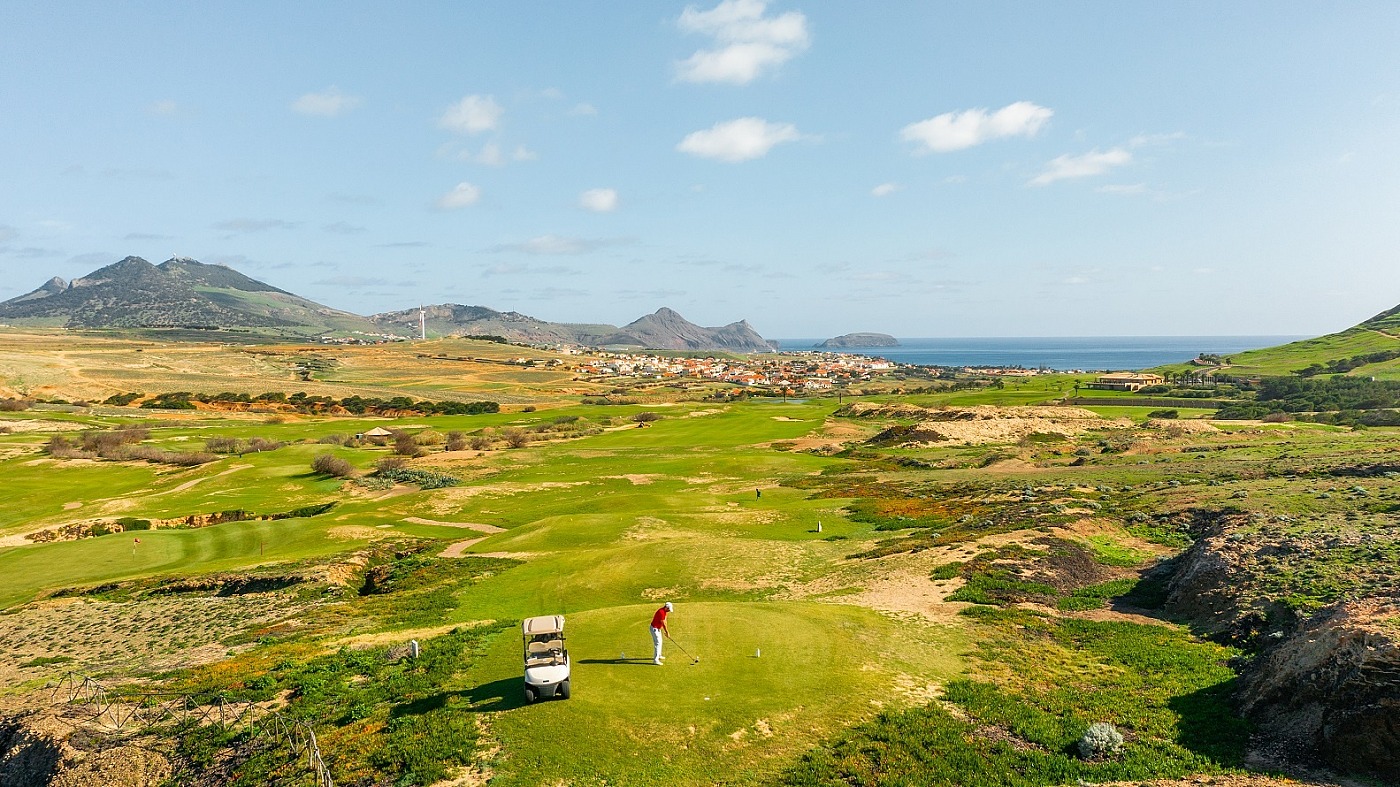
[[515, 437], [122, 399], [423, 478], [1163, 414], [14, 405], [1100, 742], [391, 463], [154, 455], [481, 443], [259, 444], [223, 445], [456, 441], [332, 465], [429, 437], [405, 445], [645, 417], [335, 439]]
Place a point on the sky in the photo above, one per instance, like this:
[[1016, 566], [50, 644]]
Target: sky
[[919, 169]]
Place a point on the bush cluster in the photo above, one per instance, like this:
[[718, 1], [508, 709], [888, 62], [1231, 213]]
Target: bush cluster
[[306, 403], [332, 465], [233, 445]]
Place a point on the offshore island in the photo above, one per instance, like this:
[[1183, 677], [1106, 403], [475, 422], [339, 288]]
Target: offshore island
[[859, 340]]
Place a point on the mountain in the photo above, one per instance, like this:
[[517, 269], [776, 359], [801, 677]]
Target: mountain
[[664, 330], [133, 293], [185, 293], [859, 340], [667, 330]]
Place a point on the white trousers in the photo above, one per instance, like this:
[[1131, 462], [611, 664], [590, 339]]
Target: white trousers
[[656, 644]]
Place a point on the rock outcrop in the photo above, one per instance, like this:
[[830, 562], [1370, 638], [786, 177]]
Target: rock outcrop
[[1331, 691], [42, 747]]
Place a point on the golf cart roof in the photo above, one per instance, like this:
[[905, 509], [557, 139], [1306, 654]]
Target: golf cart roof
[[544, 624]]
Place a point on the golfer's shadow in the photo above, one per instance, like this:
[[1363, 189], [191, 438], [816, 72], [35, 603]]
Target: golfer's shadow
[[639, 661]]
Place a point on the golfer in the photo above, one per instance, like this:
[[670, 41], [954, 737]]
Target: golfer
[[658, 627]]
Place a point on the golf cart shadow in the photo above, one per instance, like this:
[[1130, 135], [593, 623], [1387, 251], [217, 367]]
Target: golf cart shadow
[[498, 695], [645, 662]]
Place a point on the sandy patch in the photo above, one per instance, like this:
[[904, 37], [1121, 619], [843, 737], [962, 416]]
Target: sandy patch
[[359, 533], [980, 424], [785, 418], [456, 550], [478, 527], [20, 425], [637, 479], [702, 413], [402, 636], [1180, 428], [507, 555], [73, 505]]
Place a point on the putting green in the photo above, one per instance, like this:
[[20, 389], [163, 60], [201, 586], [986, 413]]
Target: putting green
[[731, 718]]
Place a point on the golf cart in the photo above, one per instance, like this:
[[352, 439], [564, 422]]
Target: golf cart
[[546, 658]]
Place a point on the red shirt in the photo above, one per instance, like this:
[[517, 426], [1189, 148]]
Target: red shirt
[[659, 619]]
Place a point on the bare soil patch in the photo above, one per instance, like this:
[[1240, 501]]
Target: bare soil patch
[[478, 527]]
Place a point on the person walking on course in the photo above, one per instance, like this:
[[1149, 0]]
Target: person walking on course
[[658, 627]]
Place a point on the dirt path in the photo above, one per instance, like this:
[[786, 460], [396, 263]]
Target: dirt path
[[456, 550], [480, 528], [192, 483]]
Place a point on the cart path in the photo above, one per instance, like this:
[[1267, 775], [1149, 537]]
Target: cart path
[[480, 528], [456, 550]]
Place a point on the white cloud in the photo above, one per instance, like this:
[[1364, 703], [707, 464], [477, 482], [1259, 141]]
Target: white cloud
[[491, 156], [165, 106], [958, 130], [598, 200], [1087, 165], [738, 140], [749, 43], [583, 108], [472, 115], [328, 103], [463, 195], [523, 153], [884, 189]]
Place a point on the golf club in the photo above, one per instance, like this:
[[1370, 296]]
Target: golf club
[[694, 659]]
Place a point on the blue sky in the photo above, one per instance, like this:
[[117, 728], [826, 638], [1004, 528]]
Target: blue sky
[[921, 169]]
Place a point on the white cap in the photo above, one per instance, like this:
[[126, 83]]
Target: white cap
[[668, 606]]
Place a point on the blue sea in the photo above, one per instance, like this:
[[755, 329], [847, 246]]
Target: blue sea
[[1087, 353]]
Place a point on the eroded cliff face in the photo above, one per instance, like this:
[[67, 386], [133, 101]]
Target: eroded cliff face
[[1332, 690], [41, 747], [1321, 688]]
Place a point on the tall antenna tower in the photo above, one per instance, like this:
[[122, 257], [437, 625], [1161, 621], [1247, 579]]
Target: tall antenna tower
[[422, 323]]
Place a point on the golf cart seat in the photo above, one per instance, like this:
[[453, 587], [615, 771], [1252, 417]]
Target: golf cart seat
[[546, 658]]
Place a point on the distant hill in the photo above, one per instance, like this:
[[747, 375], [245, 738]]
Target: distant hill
[[664, 330], [185, 293], [859, 340], [667, 330], [1370, 349], [178, 293]]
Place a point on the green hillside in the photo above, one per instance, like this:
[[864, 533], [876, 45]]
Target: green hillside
[[1371, 349]]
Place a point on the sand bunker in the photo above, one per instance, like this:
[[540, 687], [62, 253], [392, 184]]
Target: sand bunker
[[977, 424]]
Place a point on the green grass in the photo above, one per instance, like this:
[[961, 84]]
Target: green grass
[[1054, 680], [92, 561]]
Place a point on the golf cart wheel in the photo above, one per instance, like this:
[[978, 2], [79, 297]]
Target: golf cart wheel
[[529, 695], [563, 689]]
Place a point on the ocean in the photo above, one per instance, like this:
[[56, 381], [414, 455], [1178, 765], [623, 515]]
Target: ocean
[[1087, 353]]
